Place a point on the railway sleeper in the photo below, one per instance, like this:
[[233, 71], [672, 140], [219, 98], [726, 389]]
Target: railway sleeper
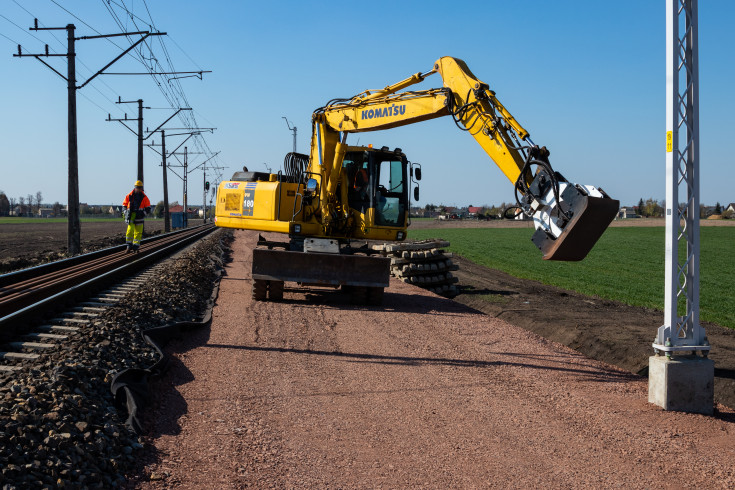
[[19, 356], [45, 336], [64, 321], [94, 304], [112, 294], [80, 314], [88, 309], [106, 300], [32, 345], [57, 328]]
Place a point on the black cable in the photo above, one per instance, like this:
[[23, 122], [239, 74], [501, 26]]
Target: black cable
[[522, 186], [294, 167]]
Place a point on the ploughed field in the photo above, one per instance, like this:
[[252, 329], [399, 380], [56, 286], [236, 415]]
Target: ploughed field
[[28, 242]]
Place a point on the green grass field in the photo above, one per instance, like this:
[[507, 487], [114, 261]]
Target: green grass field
[[626, 265]]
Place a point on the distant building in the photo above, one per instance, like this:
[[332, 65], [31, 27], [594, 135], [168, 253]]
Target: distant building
[[474, 210], [730, 207], [46, 212], [625, 213], [191, 212]]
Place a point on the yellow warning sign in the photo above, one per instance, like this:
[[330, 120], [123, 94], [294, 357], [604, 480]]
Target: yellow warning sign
[[669, 141]]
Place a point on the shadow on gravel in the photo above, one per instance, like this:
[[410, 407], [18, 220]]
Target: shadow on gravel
[[591, 374], [471, 290], [169, 405], [392, 302]]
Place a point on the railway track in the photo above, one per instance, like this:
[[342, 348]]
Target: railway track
[[43, 305]]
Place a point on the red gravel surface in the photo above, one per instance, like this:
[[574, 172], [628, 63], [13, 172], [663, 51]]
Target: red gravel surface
[[424, 391]]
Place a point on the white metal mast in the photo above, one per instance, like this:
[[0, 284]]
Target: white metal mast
[[682, 331]]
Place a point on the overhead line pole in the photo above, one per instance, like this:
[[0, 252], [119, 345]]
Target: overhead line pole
[[164, 169], [139, 134], [73, 222], [678, 378], [164, 166], [141, 138], [206, 187], [174, 153]]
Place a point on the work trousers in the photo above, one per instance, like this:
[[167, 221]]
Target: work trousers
[[134, 235]]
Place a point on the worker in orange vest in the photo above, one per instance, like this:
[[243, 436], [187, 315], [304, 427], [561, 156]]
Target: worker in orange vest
[[137, 206], [361, 183]]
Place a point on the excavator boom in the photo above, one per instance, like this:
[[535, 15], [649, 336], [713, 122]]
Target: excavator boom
[[569, 218]]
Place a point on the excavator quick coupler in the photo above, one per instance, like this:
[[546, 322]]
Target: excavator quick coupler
[[584, 215]]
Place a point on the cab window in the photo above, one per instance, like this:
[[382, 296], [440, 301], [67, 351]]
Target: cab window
[[389, 199]]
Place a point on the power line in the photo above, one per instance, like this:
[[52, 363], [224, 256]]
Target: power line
[[65, 61], [6, 37], [73, 224], [75, 16], [171, 89], [25, 31], [93, 102]]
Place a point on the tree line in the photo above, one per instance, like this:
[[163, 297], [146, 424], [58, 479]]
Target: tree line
[[650, 208], [23, 205], [488, 211], [30, 205]]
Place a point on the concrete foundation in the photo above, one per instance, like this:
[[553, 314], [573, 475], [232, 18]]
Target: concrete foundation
[[683, 384]]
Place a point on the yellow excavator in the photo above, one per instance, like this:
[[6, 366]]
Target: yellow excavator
[[339, 194]]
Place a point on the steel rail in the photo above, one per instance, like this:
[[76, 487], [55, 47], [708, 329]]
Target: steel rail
[[30, 272], [41, 298], [36, 285]]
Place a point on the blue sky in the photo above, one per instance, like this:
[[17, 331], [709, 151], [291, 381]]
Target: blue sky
[[586, 79]]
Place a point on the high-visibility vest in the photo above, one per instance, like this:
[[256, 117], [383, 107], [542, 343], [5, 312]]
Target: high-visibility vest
[[138, 204]]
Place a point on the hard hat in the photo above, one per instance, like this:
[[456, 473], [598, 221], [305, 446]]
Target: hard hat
[[138, 183]]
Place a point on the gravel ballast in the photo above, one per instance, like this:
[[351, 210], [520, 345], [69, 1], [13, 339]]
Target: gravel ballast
[[60, 427]]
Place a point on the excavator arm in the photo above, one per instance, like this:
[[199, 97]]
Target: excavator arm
[[569, 218]]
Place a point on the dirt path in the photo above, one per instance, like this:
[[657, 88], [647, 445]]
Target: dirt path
[[605, 330], [421, 392]]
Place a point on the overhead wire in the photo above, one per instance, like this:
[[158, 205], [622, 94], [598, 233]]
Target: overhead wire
[[25, 32], [52, 50], [145, 54], [199, 141], [175, 95], [9, 39]]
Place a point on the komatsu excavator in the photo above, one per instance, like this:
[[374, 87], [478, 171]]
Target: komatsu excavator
[[339, 194]]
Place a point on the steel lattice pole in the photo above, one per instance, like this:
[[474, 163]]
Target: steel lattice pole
[[681, 330]]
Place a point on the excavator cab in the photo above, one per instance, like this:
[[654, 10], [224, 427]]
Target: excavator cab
[[378, 187]]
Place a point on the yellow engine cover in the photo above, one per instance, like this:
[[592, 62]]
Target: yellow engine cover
[[265, 206]]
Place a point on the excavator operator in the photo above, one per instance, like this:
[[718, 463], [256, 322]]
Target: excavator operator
[[137, 206], [359, 194], [361, 181]]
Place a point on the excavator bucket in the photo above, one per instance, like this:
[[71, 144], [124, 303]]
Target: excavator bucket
[[590, 218]]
